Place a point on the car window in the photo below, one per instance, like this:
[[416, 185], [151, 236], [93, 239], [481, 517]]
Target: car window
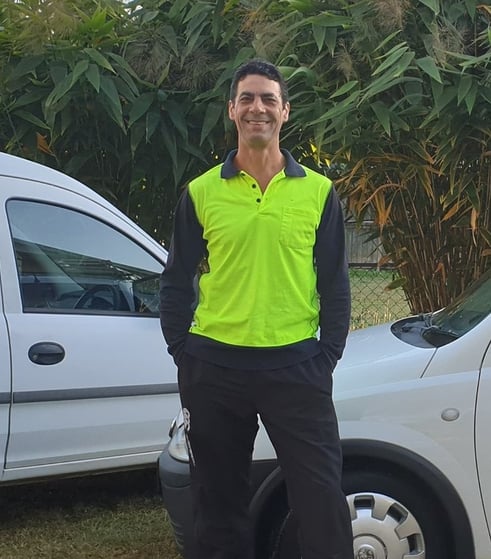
[[468, 310], [68, 261]]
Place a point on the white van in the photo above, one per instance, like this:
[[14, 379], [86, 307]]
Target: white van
[[86, 383]]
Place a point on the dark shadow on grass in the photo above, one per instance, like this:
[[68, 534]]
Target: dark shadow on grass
[[67, 495]]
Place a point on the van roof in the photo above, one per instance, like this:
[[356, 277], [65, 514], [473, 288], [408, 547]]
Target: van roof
[[18, 167]]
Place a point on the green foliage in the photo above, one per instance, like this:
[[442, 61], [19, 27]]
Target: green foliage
[[131, 99]]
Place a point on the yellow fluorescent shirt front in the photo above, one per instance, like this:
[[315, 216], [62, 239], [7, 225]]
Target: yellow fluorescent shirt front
[[260, 290]]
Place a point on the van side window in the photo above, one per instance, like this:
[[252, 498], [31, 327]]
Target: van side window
[[68, 261]]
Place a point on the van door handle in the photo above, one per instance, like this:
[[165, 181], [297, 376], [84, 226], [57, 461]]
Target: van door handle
[[46, 353]]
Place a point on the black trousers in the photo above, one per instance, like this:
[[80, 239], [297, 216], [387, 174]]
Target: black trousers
[[221, 407]]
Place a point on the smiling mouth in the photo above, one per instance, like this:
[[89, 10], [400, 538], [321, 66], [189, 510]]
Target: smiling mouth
[[257, 121]]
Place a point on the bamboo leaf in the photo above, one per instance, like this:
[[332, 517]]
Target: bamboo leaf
[[29, 98], [383, 115], [171, 38], [42, 144], [122, 65], [125, 92], [26, 66], [99, 59], [80, 68], [451, 212], [217, 20], [164, 74], [61, 89], [33, 119], [331, 39], [319, 34], [152, 122], [328, 19], [348, 86], [149, 15], [307, 75], [213, 113], [169, 139], [390, 60], [140, 106], [470, 98], [382, 83], [137, 133], [395, 284], [177, 117], [387, 40], [471, 8], [486, 235], [465, 84], [93, 76], [434, 5], [113, 103], [427, 64]]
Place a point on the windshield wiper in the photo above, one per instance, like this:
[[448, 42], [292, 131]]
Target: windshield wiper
[[438, 336]]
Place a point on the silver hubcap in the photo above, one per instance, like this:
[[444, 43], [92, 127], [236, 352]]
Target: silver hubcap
[[384, 528]]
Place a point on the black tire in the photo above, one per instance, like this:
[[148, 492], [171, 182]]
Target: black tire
[[393, 517]]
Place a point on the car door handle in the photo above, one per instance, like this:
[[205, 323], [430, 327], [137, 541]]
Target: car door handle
[[46, 353]]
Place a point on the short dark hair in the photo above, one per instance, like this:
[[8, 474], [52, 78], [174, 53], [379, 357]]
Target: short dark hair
[[261, 68]]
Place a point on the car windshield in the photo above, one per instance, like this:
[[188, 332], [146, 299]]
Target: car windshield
[[473, 306]]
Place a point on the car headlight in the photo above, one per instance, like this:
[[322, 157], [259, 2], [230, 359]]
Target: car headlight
[[178, 448]]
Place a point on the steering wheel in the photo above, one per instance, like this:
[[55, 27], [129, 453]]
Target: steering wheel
[[95, 298]]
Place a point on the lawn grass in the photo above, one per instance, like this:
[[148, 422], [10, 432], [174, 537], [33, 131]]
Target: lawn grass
[[98, 517]]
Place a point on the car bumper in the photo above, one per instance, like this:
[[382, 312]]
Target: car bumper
[[176, 493]]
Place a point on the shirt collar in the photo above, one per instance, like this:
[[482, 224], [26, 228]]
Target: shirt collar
[[292, 168]]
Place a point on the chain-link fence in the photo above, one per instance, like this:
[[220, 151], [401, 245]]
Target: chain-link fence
[[372, 302]]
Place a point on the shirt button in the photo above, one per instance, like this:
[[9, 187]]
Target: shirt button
[[258, 200], [254, 186]]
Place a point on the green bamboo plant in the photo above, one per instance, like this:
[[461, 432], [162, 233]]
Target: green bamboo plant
[[391, 98]]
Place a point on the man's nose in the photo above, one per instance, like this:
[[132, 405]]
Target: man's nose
[[257, 104]]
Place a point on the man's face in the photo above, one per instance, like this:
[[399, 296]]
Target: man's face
[[258, 111]]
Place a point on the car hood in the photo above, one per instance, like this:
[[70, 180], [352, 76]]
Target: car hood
[[374, 356]]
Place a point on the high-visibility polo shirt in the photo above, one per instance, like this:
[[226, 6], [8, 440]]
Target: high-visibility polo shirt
[[275, 266]]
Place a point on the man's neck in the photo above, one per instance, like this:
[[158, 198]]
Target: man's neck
[[261, 164]]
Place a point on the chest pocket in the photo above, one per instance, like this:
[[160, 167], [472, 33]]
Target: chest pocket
[[298, 227]]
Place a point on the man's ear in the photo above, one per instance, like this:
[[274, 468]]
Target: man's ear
[[286, 111], [231, 110]]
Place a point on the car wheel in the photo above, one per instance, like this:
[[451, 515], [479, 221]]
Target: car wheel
[[392, 518]]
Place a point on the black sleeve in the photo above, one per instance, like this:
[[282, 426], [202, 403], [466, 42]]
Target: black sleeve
[[177, 282], [333, 284]]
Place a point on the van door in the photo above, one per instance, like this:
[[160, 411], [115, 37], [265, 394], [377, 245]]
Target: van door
[[93, 385]]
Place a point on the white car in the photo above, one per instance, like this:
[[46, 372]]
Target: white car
[[86, 383], [413, 403]]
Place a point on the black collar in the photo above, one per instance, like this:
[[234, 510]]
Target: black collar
[[292, 168]]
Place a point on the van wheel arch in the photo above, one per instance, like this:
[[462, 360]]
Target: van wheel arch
[[376, 457], [373, 458]]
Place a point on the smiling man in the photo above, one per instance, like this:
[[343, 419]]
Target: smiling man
[[267, 235]]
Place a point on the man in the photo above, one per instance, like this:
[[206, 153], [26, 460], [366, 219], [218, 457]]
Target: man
[[267, 235]]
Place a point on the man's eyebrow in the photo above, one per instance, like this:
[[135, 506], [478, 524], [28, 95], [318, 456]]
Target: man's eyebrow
[[262, 95]]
